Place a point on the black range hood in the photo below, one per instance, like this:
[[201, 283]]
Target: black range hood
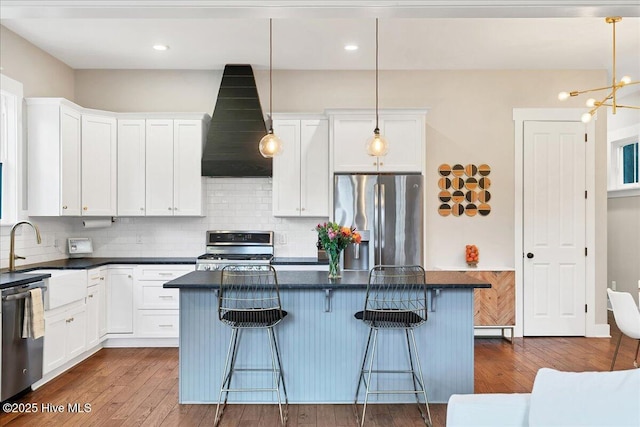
[[236, 127]]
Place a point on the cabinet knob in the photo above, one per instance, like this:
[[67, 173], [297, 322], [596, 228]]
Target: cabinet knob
[[85, 208], [381, 163], [102, 278], [374, 163], [169, 208], [64, 207], [141, 209], [129, 276], [303, 209], [90, 295], [175, 209]]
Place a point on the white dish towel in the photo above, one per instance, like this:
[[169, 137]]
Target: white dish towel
[[33, 323]]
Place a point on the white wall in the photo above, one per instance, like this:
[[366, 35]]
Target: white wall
[[623, 214], [469, 121]]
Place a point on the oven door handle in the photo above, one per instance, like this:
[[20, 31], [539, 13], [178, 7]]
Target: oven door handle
[[21, 295]]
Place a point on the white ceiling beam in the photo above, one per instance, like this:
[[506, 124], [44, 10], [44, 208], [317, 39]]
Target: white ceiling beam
[[185, 9]]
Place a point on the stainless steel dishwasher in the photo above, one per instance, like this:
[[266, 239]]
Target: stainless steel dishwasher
[[21, 357]]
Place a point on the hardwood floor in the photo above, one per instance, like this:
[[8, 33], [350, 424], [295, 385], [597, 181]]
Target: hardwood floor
[[139, 387]]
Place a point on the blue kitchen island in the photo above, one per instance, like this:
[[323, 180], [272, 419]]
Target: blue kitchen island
[[321, 343]]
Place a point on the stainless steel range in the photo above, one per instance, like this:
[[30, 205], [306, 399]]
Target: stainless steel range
[[236, 247]]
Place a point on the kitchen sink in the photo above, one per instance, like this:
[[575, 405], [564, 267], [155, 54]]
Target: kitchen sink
[[63, 287]]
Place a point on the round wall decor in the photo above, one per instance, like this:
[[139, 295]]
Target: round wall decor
[[462, 188]]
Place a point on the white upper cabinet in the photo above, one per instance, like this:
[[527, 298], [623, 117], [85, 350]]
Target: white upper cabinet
[[404, 131], [69, 164], [61, 139], [187, 177], [98, 165], [301, 171], [159, 169], [173, 178], [131, 167]]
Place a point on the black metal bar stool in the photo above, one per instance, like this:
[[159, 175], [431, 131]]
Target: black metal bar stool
[[249, 298], [396, 299]]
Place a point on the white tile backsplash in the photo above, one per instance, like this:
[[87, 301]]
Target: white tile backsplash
[[230, 204]]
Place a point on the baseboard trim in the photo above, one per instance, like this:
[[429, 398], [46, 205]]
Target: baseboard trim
[[139, 342], [601, 330]]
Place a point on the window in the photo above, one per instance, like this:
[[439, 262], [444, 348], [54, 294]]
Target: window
[[629, 154], [10, 144], [624, 167]]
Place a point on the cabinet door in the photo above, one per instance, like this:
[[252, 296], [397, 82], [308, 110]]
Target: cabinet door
[[76, 332], [286, 169], [187, 158], [131, 167], [314, 168], [93, 313], [69, 162], [159, 167], [349, 151], [120, 301], [55, 340], [102, 310], [98, 165], [405, 135]]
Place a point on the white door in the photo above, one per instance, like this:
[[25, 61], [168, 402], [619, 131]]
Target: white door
[[554, 229], [119, 293], [350, 135], [187, 176], [93, 314]]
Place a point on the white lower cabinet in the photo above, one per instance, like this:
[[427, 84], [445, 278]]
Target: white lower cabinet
[[119, 296], [96, 306], [156, 307], [157, 323], [65, 336]]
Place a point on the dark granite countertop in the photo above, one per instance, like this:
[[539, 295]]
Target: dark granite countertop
[[86, 263], [298, 261], [8, 280], [319, 280]]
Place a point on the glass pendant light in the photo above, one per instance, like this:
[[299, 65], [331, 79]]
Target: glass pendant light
[[377, 145], [270, 145]]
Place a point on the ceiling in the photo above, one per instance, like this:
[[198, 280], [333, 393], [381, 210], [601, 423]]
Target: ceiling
[[310, 35]]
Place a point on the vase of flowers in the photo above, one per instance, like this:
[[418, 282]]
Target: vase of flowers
[[334, 239]]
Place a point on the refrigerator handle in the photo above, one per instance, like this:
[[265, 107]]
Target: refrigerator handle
[[382, 219], [376, 225]]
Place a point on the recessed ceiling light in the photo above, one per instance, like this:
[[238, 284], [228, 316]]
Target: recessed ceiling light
[[351, 47], [160, 47]]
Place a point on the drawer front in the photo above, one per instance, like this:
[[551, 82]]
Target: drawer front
[[162, 272], [158, 323], [155, 296]]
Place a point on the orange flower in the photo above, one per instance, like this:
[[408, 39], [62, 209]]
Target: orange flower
[[357, 238], [346, 231]]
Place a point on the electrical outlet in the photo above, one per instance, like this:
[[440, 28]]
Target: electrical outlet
[[613, 285], [56, 243], [139, 239], [282, 238]]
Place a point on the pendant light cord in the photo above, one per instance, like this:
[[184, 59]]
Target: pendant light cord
[[377, 129], [270, 76]]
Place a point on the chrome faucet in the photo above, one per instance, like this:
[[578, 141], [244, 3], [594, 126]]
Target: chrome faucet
[[12, 247]]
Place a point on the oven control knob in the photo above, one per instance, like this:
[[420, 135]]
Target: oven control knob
[[206, 267]]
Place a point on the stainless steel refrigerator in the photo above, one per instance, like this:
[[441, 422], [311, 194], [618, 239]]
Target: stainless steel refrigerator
[[390, 208]]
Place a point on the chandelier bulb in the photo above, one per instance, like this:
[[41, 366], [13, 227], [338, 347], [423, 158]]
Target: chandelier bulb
[[625, 80], [591, 102], [563, 96], [270, 145], [586, 117], [377, 145]]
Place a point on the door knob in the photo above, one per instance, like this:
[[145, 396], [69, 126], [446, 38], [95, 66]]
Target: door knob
[[529, 255]]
